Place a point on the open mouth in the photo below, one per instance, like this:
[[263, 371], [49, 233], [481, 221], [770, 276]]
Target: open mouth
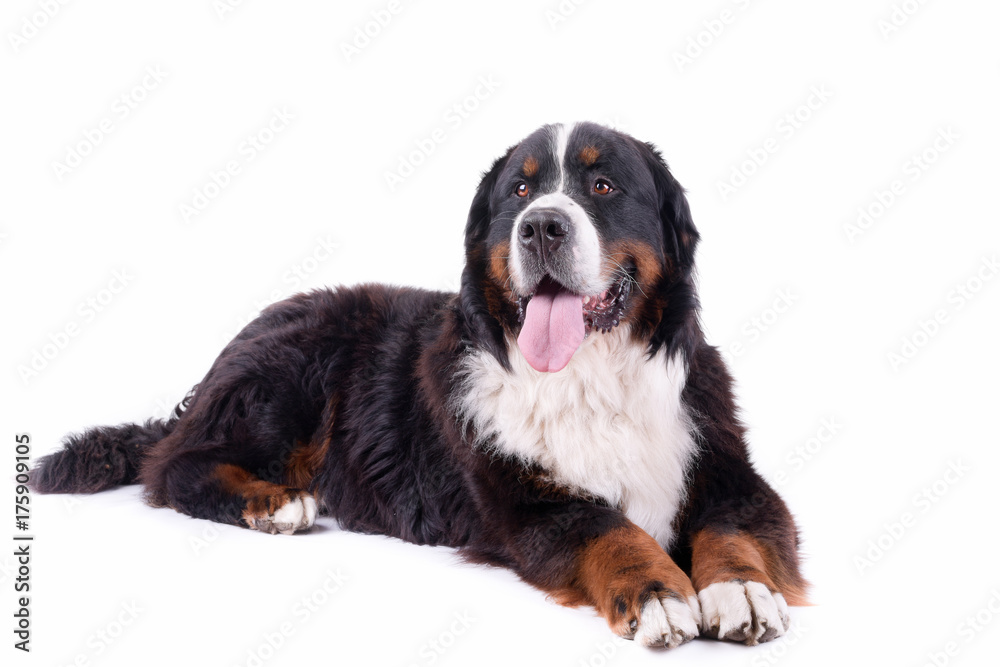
[[554, 320], [600, 313]]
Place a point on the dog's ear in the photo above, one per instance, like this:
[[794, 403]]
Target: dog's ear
[[678, 329], [478, 223], [679, 233], [480, 327]]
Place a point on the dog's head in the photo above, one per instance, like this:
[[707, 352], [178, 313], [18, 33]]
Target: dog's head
[[575, 231]]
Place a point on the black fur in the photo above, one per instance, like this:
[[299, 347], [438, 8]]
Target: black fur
[[100, 458], [347, 394]]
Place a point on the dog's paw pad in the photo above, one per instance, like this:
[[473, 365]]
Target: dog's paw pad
[[743, 612], [668, 621]]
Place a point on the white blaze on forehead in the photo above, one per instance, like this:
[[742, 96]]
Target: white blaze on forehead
[[586, 248], [562, 141]]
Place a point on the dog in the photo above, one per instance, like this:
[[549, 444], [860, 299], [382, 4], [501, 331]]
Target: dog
[[561, 415]]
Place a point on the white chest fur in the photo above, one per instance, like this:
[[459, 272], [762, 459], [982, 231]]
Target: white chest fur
[[610, 424]]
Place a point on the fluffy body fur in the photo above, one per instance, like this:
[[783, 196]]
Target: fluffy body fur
[[600, 458]]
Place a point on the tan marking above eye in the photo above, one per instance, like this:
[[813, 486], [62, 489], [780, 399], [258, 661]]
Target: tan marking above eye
[[530, 167], [602, 187], [521, 189], [589, 155]]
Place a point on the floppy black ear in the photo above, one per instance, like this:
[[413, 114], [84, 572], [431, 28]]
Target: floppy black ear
[[679, 233], [678, 328], [478, 223], [480, 327]]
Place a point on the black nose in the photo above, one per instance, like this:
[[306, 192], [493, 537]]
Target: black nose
[[542, 231]]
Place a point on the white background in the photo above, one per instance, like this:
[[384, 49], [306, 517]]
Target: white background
[[213, 595]]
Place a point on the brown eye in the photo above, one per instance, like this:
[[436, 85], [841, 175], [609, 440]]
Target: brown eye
[[602, 187], [521, 189]]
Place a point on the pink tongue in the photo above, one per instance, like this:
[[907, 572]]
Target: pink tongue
[[553, 328]]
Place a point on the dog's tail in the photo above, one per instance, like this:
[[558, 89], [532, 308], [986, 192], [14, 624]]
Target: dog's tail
[[101, 458]]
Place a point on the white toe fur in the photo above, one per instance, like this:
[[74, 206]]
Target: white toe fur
[[786, 620], [743, 611], [668, 622], [724, 609], [297, 514], [653, 624], [311, 511]]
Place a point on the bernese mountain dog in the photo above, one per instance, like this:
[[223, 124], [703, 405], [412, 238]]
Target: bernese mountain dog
[[561, 415]]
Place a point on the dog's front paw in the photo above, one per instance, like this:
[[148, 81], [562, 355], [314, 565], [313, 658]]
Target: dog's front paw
[[742, 611], [668, 620], [638, 588]]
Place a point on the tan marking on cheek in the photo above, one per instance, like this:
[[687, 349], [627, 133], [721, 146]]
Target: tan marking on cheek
[[589, 155], [649, 264], [646, 302], [499, 268], [530, 167], [719, 557]]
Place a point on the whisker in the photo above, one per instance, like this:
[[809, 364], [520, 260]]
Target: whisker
[[624, 273]]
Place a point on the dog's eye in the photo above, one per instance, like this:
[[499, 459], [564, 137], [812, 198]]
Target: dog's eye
[[602, 187], [521, 189]]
